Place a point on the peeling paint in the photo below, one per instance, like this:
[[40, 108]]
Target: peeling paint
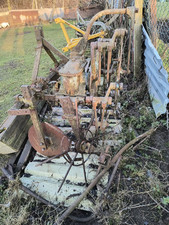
[[46, 179]]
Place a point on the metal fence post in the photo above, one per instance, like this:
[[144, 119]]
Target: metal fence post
[[137, 37]]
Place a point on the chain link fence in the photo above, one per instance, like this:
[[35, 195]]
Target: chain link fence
[[156, 18]]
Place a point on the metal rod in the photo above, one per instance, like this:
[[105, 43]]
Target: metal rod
[[102, 118], [95, 113], [100, 14], [113, 174], [93, 45], [49, 159], [100, 62], [120, 61], [101, 174], [71, 164], [108, 63], [104, 57], [77, 115], [84, 169]]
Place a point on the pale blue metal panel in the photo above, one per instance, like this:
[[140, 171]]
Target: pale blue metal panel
[[157, 77]]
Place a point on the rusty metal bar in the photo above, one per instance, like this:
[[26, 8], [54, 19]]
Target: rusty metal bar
[[70, 166], [70, 115], [93, 45], [120, 59], [100, 62], [51, 158], [34, 115], [19, 112], [103, 111], [104, 13], [109, 62], [84, 169], [101, 174]]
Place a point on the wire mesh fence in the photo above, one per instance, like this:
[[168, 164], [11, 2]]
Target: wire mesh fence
[[36, 4], [156, 16]]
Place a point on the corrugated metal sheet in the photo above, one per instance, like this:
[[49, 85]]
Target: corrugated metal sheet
[[157, 77], [46, 179], [116, 4]]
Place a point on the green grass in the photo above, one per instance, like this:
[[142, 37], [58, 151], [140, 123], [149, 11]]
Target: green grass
[[163, 51], [17, 52]]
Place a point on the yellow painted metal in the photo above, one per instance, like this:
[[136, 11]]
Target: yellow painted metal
[[71, 43], [61, 21], [74, 41], [65, 33], [100, 34]]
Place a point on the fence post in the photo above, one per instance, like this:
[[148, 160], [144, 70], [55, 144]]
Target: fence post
[[137, 37]]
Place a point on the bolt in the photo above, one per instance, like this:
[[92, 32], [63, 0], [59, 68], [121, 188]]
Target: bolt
[[43, 149], [41, 143]]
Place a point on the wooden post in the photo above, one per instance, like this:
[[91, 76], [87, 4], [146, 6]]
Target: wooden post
[[137, 37], [39, 35]]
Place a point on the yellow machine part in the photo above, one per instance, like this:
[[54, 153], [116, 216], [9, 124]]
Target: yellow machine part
[[71, 43]]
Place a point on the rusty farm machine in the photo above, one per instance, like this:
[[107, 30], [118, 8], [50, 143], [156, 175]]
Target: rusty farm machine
[[71, 118]]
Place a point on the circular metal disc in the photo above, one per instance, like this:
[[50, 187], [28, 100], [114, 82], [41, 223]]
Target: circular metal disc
[[57, 142]]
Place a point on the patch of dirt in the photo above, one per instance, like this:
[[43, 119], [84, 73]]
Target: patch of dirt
[[143, 185], [13, 64]]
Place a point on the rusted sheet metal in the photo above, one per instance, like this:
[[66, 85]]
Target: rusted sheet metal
[[157, 77]]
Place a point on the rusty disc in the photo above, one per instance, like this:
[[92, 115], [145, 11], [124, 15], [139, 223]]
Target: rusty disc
[[58, 144]]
